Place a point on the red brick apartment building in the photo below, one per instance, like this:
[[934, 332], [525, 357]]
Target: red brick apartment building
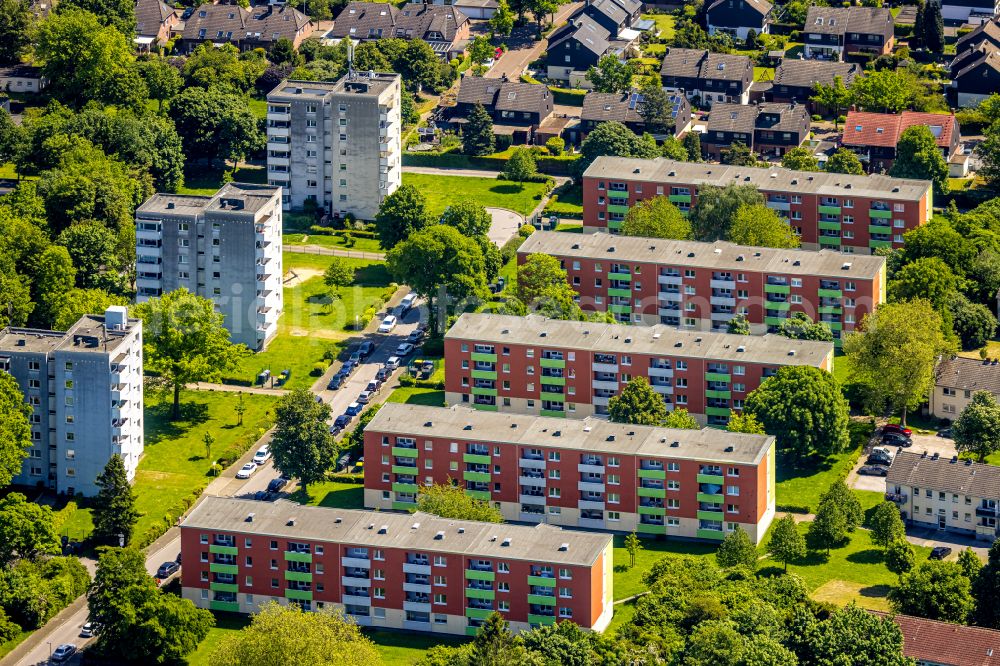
[[589, 473], [704, 285], [549, 367], [393, 570], [852, 214]]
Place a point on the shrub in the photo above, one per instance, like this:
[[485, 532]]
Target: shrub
[[503, 142], [816, 117], [407, 380], [841, 119], [555, 145], [525, 230], [317, 230], [509, 249], [318, 369]]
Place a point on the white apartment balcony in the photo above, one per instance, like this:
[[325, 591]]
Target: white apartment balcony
[[355, 600], [149, 250], [532, 499], [529, 463], [722, 300], [664, 312], [279, 131], [670, 296], [417, 606], [599, 400], [280, 117], [120, 392], [779, 205], [351, 581], [722, 316], [277, 145], [385, 146], [417, 587], [277, 161], [660, 372], [723, 284], [585, 468], [592, 523], [605, 367], [356, 563], [592, 486], [663, 390], [607, 386], [669, 279], [151, 234], [422, 569], [531, 480], [590, 504]]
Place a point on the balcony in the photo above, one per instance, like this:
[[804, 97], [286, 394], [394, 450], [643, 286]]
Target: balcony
[[604, 367], [652, 510], [779, 205], [879, 213], [722, 395], [986, 511], [416, 568], [648, 528], [227, 606], [651, 492], [480, 390], [222, 550], [874, 244], [723, 284], [829, 225], [590, 468], [478, 477], [618, 194], [421, 588], [356, 600], [482, 357], [473, 593], [605, 385], [531, 463], [231, 569], [716, 516], [356, 562], [484, 374], [302, 595], [710, 498], [483, 495], [478, 613], [716, 535], [553, 381], [590, 504], [829, 240], [402, 452], [542, 600], [476, 458], [714, 479], [669, 279], [411, 470], [777, 289], [829, 293], [552, 362], [352, 581], [294, 556], [301, 576], [898, 498], [538, 500], [417, 606], [541, 619], [722, 300], [829, 210], [474, 574], [620, 277], [590, 486], [535, 481], [717, 377], [679, 198], [405, 487], [542, 581], [652, 474]]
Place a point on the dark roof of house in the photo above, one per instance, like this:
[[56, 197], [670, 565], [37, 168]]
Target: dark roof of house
[[517, 96], [630, 6], [21, 71], [869, 20], [932, 641], [585, 30], [602, 107], [725, 117], [763, 7], [611, 9], [948, 474], [968, 374], [478, 90], [989, 30], [150, 15], [258, 22], [807, 73], [698, 64], [984, 54], [884, 129], [412, 20], [838, 20]]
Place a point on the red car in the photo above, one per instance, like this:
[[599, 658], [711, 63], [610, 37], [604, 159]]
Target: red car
[[902, 430]]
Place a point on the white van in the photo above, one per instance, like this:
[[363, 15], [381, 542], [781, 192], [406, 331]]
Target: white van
[[262, 455]]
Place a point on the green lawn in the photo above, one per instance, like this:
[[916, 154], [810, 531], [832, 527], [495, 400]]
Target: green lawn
[[664, 24], [74, 521], [337, 242], [413, 395], [225, 624], [442, 191], [311, 323], [800, 488], [7, 171], [174, 465], [333, 494], [568, 203]]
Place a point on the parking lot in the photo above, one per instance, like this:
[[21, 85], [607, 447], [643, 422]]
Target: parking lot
[[930, 444]]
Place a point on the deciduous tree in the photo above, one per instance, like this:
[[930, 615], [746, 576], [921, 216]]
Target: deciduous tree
[[338, 274], [970, 564], [739, 154], [974, 323], [16, 29], [800, 159], [638, 403], [745, 423], [27, 529], [847, 501], [834, 97], [935, 590], [502, 21], [882, 92], [845, 161], [115, 514], [828, 528], [900, 557], [800, 327], [977, 429], [713, 214], [401, 214], [450, 501], [926, 278], [885, 525], [987, 590], [215, 125], [760, 226], [521, 165], [302, 445], [656, 218], [119, 14], [680, 418], [632, 545], [614, 139], [656, 109], [469, 217], [611, 75], [737, 550], [787, 543], [918, 156], [15, 428]]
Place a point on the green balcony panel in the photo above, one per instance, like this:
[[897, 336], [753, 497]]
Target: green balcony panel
[[472, 631], [833, 226], [484, 374], [716, 377], [479, 494], [774, 321], [472, 574], [554, 413], [830, 309], [779, 306], [552, 381], [227, 606], [620, 309], [615, 224], [621, 277], [552, 362], [541, 619], [642, 528], [485, 408], [479, 390], [615, 208], [885, 214], [471, 593], [879, 243], [478, 613], [301, 576], [617, 194], [224, 587], [482, 477], [552, 397], [829, 293], [652, 510], [879, 230], [403, 506], [623, 293], [777, 289], [711, 515], [718, 394], [224, 568], [483, 357], [706, 497], [404, 453], [404, 487], [714, 479], [652, 474], [223, 550], [717, 411], [716, 535], [541, 600], [302, 595], [680, 198], [829, 240], [830, 210], [476, 458], [292, 556], [403, 469], [651, 492], [834, 325], [541, 581]]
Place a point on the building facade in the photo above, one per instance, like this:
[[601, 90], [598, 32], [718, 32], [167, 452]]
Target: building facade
[[534, 365], [703, 285], [336, 144], [945, 493], [591, 473], [852, 214], [393, 571], [957, 379], [226, 247], [84, 387]]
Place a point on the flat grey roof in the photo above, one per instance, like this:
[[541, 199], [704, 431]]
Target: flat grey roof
[[659, 339], [291, 90], [251, 197], [418, 531], [29, 340], [173, 204], [591, 435], [662, 170], [721, 255], [44, 341]]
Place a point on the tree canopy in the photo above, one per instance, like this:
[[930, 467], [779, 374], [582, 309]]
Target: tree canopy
[[918, 156], [15, 428], [302, 445], [638, 403], [401, 214], [450, 501], [114, 509], [760, 226], [977, 429], [656, 218], [717, 207]]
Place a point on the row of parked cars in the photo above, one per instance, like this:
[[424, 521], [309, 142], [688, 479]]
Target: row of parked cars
[[880, 458]]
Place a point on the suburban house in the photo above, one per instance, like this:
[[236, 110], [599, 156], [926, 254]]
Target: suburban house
[[874, 136], [247, 29], [474, 9], [22, 79], [577, 46], [969, 11], [988, 31], [626, 109], [948, 494], [956, 379], [444, 27], [517, 108], [795, 80], [154, 21], [768, 128], [975, 69], [936, 643], [830, 33], [738, 17], [707, 77]]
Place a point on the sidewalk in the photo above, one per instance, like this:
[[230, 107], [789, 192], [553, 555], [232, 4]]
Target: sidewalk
[[333, 252]]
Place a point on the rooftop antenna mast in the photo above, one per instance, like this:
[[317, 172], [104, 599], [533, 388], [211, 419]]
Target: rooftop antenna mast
[[350, 57]]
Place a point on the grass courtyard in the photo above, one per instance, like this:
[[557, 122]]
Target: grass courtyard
[[333, 242], [442, 191]]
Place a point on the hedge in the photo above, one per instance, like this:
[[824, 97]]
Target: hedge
[[568, 96]]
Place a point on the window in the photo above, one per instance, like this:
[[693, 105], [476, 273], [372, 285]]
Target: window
[[440, 561], [440, 599], [440, 581], [554, 492], [565, 593], [503, 587], [378, 592]]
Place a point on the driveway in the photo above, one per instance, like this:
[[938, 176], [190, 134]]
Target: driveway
[[523, 49], [930, 538], [505, 225], [930, 444]]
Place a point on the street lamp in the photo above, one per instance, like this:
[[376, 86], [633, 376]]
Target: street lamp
[[49, 643]]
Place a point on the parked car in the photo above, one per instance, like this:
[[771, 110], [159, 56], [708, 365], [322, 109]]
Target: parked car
[[895, 439], [387, 324], [246, 471], [874, 470], [63, 652], [335, 382], [383, 374], [365, 397], [263, 454], [87, 630], [277, 484], [896, 428], [355, 359], [939, 553], [167, 569], [415, 337], [348, 368], [946, 432], [404, 349], [354, 409], [392, 363], [883, 453], [421, 326], [374, 386], [407, 303], [366, 349]]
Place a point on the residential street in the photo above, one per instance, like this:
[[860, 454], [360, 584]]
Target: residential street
[[523, 48]]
